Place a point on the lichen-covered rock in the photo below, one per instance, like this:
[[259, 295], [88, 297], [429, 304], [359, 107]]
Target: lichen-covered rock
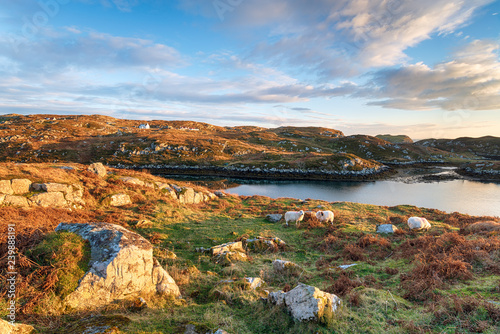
[[274, 217], [386, 228], [18, 201], [49, 200], [57, 187], [132, 180], [283, 265], [262, 244], [186, 196], [253, 282], [5, 187], [165, 188], [306, 303], [227, 253], [8, 328], [121, 266], [20, 186], [119, 200], [99, 169]]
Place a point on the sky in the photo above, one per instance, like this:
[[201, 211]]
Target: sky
[[427, 68]]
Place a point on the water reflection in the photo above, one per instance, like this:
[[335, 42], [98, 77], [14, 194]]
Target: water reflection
[[475, 198]]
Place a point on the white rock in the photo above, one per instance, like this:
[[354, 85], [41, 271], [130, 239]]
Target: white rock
[[386, 228], [121, 266], [307, 303]]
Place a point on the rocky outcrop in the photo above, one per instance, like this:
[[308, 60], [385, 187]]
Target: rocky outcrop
[[188, 195], [52, 200], [386, 228], [118, 200], [121, 267], [262, 244], [227, 253], [306, 303], [99, 169], [8, 328]]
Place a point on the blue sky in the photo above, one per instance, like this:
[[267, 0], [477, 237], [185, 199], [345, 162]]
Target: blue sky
[[428, 68]]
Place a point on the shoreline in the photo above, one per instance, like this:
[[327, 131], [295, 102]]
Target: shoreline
[[386, 173]]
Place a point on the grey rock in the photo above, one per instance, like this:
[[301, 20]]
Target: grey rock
[[306, 303], [274, 217], [121, 266], [386, 228]]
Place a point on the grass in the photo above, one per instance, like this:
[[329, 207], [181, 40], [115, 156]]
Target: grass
[[409, 282]]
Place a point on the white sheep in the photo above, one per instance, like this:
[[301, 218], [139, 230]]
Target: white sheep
[[418, 223], [325, 216], [294, 216]]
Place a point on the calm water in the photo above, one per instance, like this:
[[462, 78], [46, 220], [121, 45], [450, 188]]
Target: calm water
[[474, 198]]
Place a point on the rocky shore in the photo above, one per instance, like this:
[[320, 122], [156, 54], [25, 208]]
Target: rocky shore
[[375, 173]]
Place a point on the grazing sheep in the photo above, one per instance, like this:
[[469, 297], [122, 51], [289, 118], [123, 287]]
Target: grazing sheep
[[418, 223], [294, 216], [325, 216]]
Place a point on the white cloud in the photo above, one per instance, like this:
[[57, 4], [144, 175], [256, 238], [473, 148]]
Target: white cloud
[[471, 82], [341, 37]]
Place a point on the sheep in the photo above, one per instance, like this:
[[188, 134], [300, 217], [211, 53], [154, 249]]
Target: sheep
[[325, 216], [294, 216], [418, 223]]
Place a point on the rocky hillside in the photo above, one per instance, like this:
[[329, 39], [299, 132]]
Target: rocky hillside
[[295, 152], [484, 147], [128, 252], [396, 139]]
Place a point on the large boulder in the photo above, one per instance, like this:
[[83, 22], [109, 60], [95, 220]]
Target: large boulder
[[306, 303], [119, 200], [20, 186], [8, 328], [51, 200], [19, 201], [99, 169], [5, 187], [121, 267]]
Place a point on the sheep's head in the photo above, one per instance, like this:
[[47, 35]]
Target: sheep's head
[[319, 214], [301, 212]]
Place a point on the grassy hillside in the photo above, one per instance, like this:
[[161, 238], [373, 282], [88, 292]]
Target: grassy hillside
[[85, 139], [396, 139], [446, 280]]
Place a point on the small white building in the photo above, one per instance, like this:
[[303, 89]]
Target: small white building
[[144, 126]]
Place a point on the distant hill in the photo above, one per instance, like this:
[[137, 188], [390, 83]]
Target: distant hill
[[396, 139], [86, 139], [484, 147]]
